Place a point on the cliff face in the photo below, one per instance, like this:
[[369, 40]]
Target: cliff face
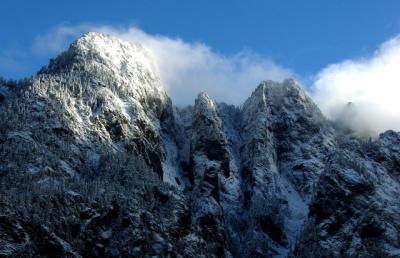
[[96, 161]]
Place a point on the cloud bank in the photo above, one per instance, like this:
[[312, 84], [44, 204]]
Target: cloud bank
[[185, 68], [372, 85]]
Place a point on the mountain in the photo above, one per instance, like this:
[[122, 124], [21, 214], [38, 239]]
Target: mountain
[[95, 161]]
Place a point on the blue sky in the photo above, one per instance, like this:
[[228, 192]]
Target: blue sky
[[304, 36]]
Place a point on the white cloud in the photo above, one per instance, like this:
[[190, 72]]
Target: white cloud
[[371, 84], [57, 40], [185, 68]]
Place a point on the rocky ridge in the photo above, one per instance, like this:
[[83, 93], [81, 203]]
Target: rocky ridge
[[96, 161]]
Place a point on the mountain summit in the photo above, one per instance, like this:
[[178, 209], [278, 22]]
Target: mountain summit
[[97, 162]]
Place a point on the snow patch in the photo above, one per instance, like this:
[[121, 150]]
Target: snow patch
[[297, 213]]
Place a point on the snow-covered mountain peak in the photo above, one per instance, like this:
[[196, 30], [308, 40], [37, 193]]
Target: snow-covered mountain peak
[[204, 105], [288, 88], [128, 68], [287, 96], [124, 57], [205, 100]]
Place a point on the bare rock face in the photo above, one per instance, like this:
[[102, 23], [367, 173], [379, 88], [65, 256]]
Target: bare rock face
[[95, 161]]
